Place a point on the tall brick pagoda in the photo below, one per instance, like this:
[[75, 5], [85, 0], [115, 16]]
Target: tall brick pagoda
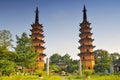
[[86, 48], [37, 40]]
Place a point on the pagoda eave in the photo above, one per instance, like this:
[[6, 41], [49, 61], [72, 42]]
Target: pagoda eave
[[33, 30], [85, 53], [85, 28], [37, 40], [86, 39], [38, 35], [85, 33], [42, 54], [84, 24], [86, 46], [39, 47], [36, 24]]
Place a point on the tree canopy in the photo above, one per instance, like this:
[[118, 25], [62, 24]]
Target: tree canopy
[[26, 56], [5, 38], [71, 65], [102, 60]]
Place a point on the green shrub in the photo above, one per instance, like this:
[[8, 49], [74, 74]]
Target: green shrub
[[7, 67], [88, 72]]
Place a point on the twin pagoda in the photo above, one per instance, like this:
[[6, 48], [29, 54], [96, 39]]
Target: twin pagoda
[[86, 48]]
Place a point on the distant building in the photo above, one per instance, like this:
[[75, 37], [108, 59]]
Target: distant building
[[86, 48], [37, 40], [62, 64]]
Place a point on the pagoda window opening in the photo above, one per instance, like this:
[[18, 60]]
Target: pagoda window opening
[[35, 37], [88, 67], [39, 58], [87, 50], [39, 45]]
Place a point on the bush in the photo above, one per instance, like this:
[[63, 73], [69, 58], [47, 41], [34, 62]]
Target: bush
[[88, 72], [7, 67]]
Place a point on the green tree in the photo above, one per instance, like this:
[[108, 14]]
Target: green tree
[[7, 67], [7, 64], [71, 65], [26, 56], [55, 68], [55, 58], [5, 54], [66, 58], [115, 57], [5, 38], [102, 60]]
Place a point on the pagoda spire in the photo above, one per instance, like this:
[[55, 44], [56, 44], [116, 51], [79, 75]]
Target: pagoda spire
[[37, 16], [84, 14]]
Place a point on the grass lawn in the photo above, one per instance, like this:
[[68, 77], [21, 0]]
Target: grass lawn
[[95, 77], [58, 77], [31, 77]]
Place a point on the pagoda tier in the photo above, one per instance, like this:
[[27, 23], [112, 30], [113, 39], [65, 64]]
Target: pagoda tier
[[39, 36], [35, 40], [85, 29], [86, 40], [85, 24], [40, 47], [38, 41], [37, 26], [36, 30], [86, 48]]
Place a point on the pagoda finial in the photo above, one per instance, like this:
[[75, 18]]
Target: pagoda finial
[[37, 16], [84, 14]]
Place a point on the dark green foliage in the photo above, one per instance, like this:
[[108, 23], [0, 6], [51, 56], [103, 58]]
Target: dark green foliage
[[66, 58], [71, 65], [101, 67], [55, 58], [102, 61], [55, 68], [23, 56], [115, 57], [26, 56], [7, 67]]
